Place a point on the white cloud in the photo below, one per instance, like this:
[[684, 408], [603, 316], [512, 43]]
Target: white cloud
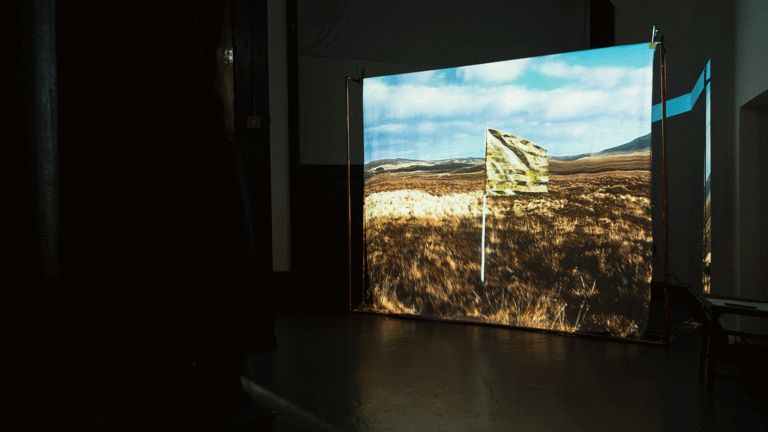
[[397, 141], [607, 77], [598, 107], [390, 128], [412, 101], [426, 128], [566, 104], [561, 69], [456, 102]]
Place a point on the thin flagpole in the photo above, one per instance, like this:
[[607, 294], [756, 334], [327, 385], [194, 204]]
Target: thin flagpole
[[485, 194], [482, 246]]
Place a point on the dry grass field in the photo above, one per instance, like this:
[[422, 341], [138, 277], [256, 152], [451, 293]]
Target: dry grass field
[[707, 261], [574, 259]]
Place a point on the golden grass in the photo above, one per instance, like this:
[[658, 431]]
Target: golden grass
[[706, 265], [575, 259]]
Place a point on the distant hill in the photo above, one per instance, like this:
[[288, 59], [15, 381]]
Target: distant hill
[[641, 144], [377, 163], [472, 165], [455, 166]]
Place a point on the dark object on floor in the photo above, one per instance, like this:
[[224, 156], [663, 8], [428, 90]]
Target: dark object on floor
[[714, 338]]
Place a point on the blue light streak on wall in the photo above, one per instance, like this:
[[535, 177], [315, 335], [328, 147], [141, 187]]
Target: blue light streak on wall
[[684, 103], [708, 154]]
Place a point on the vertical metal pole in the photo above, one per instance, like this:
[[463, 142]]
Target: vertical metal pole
[[482, 245], [665, 185], [43, 138], [349, 198], [349, 189]]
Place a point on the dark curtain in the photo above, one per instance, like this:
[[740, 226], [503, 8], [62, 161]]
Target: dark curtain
[[153, 208]]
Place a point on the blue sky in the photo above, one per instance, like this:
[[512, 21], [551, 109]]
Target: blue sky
[[571, 103]]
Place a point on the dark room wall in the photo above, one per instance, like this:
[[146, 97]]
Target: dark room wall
[[695, 33], [751, 139], [279, 156]]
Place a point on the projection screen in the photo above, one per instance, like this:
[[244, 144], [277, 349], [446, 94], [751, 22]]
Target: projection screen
[[515, 192]]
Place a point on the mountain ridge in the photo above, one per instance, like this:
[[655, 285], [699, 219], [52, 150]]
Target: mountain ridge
[[638, 144], [467, 165]]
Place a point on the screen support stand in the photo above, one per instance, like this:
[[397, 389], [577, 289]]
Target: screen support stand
[[349, 190], [665, 180]]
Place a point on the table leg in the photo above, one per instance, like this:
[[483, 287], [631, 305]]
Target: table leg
[[704, 344], [713, 349]]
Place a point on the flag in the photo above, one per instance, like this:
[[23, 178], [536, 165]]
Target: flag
[[513, 164]]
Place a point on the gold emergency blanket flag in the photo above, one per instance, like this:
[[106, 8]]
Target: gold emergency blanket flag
[[513, 164]]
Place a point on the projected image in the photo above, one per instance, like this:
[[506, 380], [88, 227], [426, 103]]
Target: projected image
[[515, 193]]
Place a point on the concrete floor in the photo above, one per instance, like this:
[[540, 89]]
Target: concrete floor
[[381, 373]]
